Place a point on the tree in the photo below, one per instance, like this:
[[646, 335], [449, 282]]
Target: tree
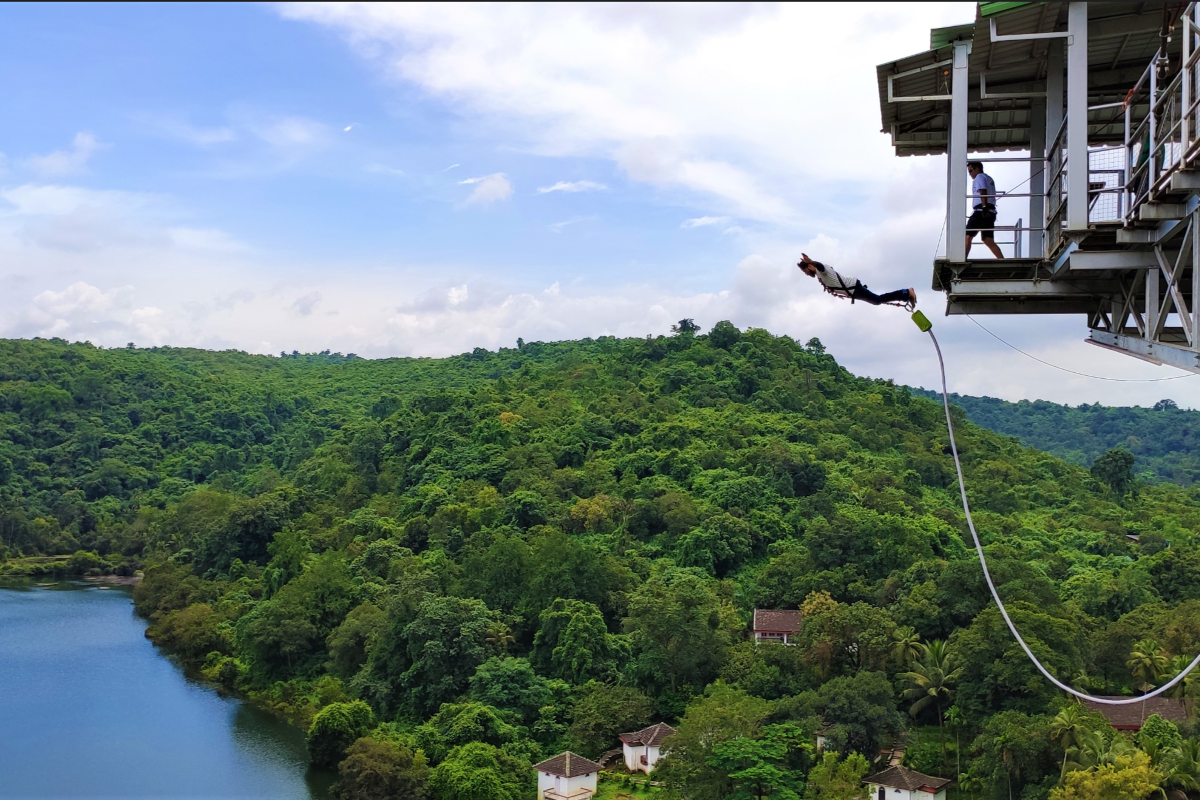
[[724, 335], [479, 771], [602, 712], [931, 683], [462, 723], [677, 629], [351, 642], [381, 770], [1130, 777], [335, 728], [906, 646], [858, 710], [1013, 751], [429, 660], [686, 327], [510, 684], [834, 779], [723, 714], [1166, 405], [1183, 766], [765, 767], [574, 644], [1065, 729], [1115, 470], [1147, 661]]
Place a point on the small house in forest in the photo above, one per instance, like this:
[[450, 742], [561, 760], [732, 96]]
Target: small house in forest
[[1131, 716], [643, 748], [567, 776], [902, 783], [777, 625]]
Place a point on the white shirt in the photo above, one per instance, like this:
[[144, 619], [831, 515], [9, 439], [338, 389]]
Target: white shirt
[[835, 281], [983, 182]]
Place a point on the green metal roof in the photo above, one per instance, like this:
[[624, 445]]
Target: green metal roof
[[992, 9]]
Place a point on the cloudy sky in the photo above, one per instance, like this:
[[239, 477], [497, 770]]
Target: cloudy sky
[[423, 180]]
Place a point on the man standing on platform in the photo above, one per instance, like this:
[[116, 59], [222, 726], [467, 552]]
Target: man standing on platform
[[983, 218]]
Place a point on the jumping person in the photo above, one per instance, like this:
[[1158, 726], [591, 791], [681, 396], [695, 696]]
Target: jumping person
[[983, 216], [840, 285]]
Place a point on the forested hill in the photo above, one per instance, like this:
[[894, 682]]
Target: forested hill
[[449, 569], [1165, 439]]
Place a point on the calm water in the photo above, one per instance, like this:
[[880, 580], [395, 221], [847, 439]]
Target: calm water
[[89, 709]]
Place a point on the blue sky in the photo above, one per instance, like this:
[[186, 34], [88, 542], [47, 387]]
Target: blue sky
[[421, 180]]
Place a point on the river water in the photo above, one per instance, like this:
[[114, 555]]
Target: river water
[[90, 709]]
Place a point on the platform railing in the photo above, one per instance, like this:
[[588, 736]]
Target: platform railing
[[1167, 139]]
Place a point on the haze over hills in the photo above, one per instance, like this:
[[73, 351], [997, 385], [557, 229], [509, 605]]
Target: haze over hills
[[450, 569]]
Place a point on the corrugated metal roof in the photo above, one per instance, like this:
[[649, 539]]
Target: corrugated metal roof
[[1122, 39]]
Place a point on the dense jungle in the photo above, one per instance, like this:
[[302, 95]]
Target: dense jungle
[[446, 570]]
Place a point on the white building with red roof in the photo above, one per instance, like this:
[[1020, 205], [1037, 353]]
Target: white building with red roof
[[902, 783], [643, 748], [777, 625], [567, 776]]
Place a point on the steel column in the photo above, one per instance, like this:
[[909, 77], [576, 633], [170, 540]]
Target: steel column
[[1037, 179], [956, 166], [1077, 117]]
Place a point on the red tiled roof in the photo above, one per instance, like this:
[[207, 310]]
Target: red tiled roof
[[651, 737], [567, 765], [904, 778], [777, 620], [1130, 717]]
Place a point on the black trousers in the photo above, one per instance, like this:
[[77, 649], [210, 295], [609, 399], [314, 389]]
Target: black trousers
[[860, 292]]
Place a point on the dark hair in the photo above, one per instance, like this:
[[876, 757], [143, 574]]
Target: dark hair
[[976, 164]]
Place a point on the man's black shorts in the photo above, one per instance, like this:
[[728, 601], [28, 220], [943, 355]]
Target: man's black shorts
[[982, 221]]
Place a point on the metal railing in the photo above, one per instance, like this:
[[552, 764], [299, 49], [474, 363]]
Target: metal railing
[[1167, 139]]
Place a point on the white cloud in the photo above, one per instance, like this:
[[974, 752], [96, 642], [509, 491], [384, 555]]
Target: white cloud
[[384, 170], [304, 305], [557, 227], [746, 106], [488, 189], [65, 162], [573, 186], [700, 222], [290, 133], [184, 131]]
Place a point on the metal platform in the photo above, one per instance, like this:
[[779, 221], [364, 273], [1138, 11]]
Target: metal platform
[[1103, 96]]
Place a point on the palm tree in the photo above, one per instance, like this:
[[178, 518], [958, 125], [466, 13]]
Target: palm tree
[[906, 646], [1180, 690], [1183, 766], [1065, 729], [931, 682], [1090, 751], [1147, 661], [955, 717]]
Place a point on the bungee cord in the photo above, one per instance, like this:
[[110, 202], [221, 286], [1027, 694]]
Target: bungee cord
[[927, 327], [1074, 372]]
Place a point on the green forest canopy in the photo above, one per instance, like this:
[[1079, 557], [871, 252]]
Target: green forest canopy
[[447, 569], [1164, 438]]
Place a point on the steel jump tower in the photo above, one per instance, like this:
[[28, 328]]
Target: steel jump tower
[[1105, 98]]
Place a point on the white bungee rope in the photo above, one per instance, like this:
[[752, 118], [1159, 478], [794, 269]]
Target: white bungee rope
[[926, 326]]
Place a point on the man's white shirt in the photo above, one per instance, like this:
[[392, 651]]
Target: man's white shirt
[[983, 182]]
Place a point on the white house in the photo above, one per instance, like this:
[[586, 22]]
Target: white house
[[643, 748], [902, 783], [777, 625], [567, 776]]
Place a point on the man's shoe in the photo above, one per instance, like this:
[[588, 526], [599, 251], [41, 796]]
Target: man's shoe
[[912, 298]]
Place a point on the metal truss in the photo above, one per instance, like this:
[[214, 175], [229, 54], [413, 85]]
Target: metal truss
[[1153, 313]]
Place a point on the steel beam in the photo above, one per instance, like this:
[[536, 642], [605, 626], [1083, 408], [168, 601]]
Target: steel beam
[[1077, 117], [1152, 351], [1111, 259], [956, 160], [1037, 178]]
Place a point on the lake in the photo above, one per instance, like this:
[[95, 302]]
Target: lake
[[90, 709]]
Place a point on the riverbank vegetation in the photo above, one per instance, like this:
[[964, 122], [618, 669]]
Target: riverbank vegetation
[[449, 569]]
